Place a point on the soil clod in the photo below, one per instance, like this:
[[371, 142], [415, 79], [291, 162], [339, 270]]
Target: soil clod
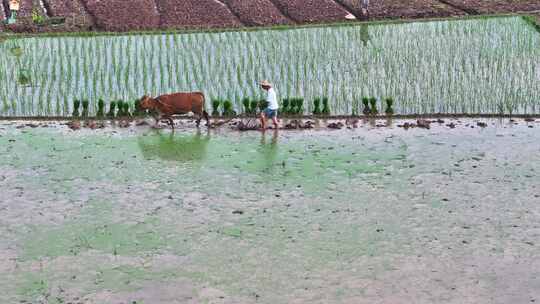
[[481, 124], [424, 124], [74, 125], [336, 125]]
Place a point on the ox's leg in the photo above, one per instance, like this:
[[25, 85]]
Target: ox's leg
[[157, 118], [171, 122], [199, 117], [207, 118]]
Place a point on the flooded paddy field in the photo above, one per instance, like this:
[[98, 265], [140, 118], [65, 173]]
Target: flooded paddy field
[[367, 215]]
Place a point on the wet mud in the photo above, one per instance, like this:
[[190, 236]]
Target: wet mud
[[373, 214]]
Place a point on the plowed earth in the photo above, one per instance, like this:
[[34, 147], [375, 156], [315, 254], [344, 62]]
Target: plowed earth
[[196, 13], [121, 15]]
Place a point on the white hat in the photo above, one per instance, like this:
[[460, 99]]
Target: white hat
[[265, 83]]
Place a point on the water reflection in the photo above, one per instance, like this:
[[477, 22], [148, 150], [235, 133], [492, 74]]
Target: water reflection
[[171, 147], [269, 150]]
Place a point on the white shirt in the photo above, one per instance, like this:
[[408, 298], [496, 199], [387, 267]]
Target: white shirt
[[272, 99]]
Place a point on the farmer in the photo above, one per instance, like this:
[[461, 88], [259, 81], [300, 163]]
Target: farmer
[[14, 9], [272, 108], [365, 8]]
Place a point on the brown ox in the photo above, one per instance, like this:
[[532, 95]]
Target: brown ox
[[179, 103]]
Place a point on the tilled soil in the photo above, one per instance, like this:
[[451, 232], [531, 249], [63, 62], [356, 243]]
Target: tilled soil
[[257, 12], [120, 15], [311, 11], [73, 9], [499, 6], [26, 8], [405, 9], [196, 13], [117, 15]]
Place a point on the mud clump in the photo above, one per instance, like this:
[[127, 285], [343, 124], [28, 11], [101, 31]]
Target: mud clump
[[298, 124], [424, 124], [481, 124], [124, 124], [407, 125], [94, 125], [141, 123], [336, 125], [352, 123], [247, 126], [74, 125]]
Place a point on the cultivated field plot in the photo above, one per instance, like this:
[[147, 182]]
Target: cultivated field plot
[[257, 12], [490, 6], [195, 13], [75, 9], [356, 217], [120, 15], [404, 9], [311, 11], [468, 66]]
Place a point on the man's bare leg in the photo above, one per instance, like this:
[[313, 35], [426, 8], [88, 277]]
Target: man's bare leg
[[263, 121], [276, 123]]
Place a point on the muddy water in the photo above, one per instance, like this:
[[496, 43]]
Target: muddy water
[[371, 215]]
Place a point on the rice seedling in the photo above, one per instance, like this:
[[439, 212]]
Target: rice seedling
[[85, 105], [367, 109], [326, 106], [112, 110], [101, 108], [125, 109], [247, 105], [317, 106], [76, 106], [286, 104], [216, 103], [373, 106], [228, 108], [120, 108], [254, 105], [296, 106], [389, 106]]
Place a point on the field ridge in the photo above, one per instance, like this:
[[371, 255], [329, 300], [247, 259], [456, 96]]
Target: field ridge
[[283, 10], [233, 12]]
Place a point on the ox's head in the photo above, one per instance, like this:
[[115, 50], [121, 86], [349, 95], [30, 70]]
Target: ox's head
[[147, 103]]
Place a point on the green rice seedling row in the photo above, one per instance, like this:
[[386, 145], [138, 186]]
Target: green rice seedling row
[[487, 66]]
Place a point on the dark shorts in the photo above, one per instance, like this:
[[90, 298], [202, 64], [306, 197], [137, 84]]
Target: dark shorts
[[270, 113]]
